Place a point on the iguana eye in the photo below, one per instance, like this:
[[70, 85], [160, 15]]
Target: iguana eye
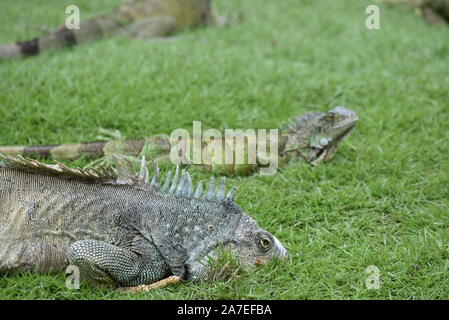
[[324, 142], [265, 242]]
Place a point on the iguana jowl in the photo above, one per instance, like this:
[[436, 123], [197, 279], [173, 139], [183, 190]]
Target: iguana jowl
[[313, 136], [119, 229], [138, 18]]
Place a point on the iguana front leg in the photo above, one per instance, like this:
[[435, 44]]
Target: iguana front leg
[[221, 21], [102, 263]]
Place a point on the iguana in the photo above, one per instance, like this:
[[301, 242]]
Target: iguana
[[138, 18], [434, 11], [118, 228], [313, 136]]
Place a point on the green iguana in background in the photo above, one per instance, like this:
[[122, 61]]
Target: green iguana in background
[[137, 18], [314, 137], [434, 11], [120, 229]]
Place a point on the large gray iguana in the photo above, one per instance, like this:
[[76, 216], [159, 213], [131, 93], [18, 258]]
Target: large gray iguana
[[313, 136], [119, 228], [138, 18], [434, 11]]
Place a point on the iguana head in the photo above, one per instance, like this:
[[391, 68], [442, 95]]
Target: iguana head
[[233, 231], [254, 245], [230, 229], [315, 136]]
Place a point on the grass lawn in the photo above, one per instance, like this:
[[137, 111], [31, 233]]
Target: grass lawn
[[382, 201]]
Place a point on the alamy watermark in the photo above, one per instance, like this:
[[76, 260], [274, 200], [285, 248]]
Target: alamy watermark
[[73, 20], [73, 277], [372, 21], [234, 147], [372, 281]]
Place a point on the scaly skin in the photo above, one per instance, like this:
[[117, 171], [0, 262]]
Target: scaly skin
[[119, 229], [138, 18], [313, 136]]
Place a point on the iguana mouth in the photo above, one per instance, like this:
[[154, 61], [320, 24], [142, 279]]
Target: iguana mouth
[[328, 152]]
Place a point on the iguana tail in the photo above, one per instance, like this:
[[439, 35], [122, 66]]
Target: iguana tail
[[92, 150], [57, 152], [90, 30]]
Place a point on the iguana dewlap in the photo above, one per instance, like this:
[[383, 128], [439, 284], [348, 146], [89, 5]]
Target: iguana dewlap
[[120, 229], [138, 18]]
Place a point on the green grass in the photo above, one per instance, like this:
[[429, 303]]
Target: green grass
[[382, 201]]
